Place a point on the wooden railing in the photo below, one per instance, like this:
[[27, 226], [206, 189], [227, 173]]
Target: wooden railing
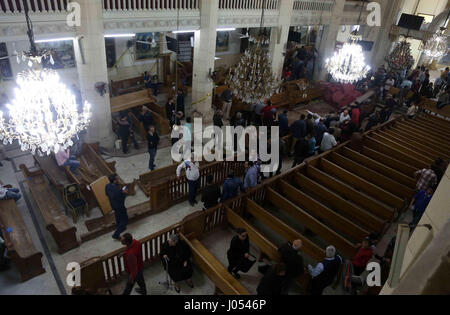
[[16, 6], [248, 4], [313, 5], [134, 5], [100, 272]]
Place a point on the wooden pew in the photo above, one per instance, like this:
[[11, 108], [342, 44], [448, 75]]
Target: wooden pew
[[343, 244], [394, 152], [398, 165], [361, 184], [382, 211], [55, 173], [432, 124], [282, 229], [379, 167], [51, 210], [372, 176], [410, 132], [20, 247], [127, 86], [131, 100], [220, 276], [406, 142], [406, 150], [424, 129], [435, 121], [352, 212], [415, 142]]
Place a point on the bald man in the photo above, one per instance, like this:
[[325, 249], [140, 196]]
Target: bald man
[[290, 255]]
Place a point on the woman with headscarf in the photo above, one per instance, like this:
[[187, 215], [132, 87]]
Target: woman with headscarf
[[175, 255]]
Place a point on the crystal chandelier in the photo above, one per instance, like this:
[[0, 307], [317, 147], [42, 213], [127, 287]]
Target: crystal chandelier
[[436, 46], [348, 64], [252, 80], [44, 116]]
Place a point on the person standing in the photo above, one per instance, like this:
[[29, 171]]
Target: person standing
[[362, 257], [324, 272], [425, 178], [211, 194], [180, 101], [175, 255], [153, 141], [134, 265], [300, 151], [192, 175], [420, 203], [217, 119], [258, 107], [227, 98], [273, 281], [298, 129], [116, 196], [124, 132], [170, 111], [251, 176], [328, 141], [238, 251], [283, 123], [319, 130], [146, 117], [294, 261]]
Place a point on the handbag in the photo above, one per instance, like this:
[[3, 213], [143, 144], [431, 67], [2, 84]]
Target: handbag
[[246, 264]]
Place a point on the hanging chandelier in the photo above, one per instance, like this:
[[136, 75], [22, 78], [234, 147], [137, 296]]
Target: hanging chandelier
[[44, 116], [252, 80], [436, 46], [348, 64], [400, 58]]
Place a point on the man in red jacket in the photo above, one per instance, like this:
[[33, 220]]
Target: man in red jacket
[[362, 257], [134, 264]]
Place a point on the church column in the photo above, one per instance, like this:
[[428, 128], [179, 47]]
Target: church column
[[91, 64], [279, 37], [328, 42], [204, 53], [389, 13]]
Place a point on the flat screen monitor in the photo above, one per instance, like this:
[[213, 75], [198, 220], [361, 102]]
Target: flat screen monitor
[[412, 22], [366, 45], [172, 44]]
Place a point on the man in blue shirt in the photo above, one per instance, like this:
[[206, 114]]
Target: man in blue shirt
[[319, 130], [298, 129], [311, 145], [251, 177], [283, 123], [420, 201], [231, 187], [116, 196]]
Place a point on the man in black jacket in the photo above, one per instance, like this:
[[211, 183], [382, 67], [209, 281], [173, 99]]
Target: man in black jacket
[[116, 196], [294, 262], [217, 119], [211, 194], [273, 281], [146, 117], [153, 141], [238, 251]]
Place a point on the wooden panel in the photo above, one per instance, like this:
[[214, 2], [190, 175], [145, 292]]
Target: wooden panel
[[432, 124], [426, 130], [361, 184], [98, 188], [400, 166], [372, 176], [363, 200], [391, 150], [54, 173], [214, 270], [352, 211], [285, 231], [264, 245], [435, 120], [379, 167], [325, 214]]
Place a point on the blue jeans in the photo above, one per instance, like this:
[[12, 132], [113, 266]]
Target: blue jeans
[[151, 163], [121, 222], [73, 164], [13, 193], [193, 185]]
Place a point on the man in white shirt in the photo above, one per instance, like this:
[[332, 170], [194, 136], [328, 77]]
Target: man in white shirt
[[388, 84], [328, 141], [344, 116], [192, 175], [325, 271]]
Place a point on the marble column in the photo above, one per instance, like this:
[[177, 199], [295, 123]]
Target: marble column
[[328, 42], [279, 37], [91, 64], [204, 53], [390, 11]]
